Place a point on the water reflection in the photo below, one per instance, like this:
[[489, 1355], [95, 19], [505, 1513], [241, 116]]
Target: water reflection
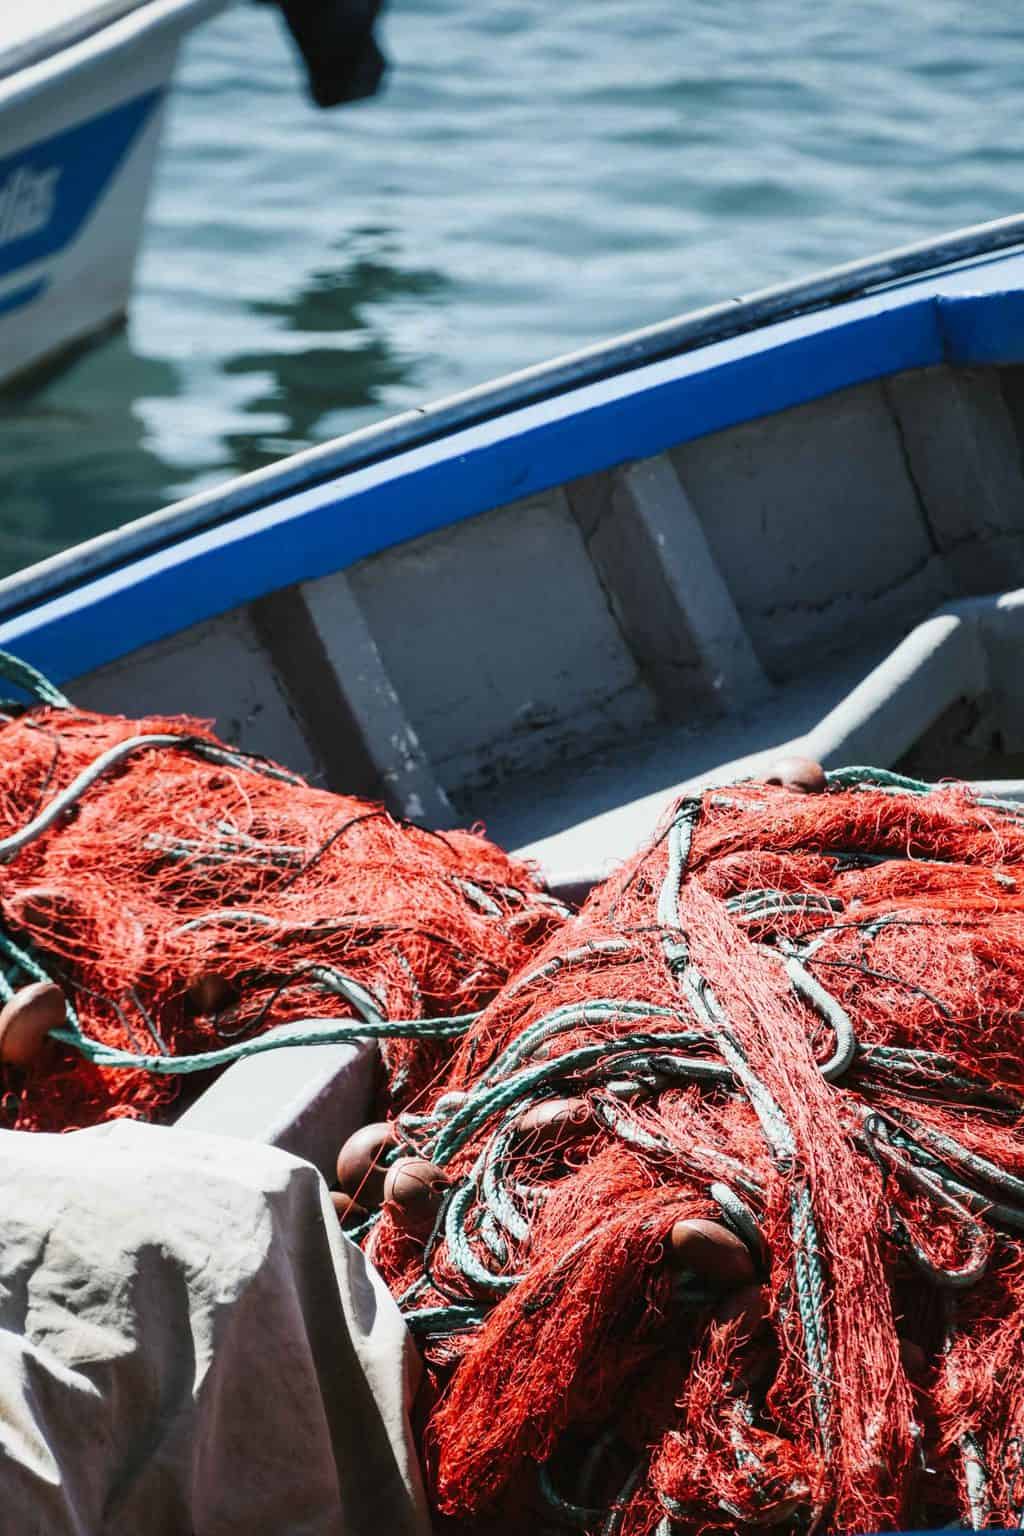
[[74, 459], [335, 354], [77, 451]]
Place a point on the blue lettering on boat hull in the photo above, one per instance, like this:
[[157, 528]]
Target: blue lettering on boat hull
[[49, 190]]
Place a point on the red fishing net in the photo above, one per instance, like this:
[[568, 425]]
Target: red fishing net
[[732, 1226], [797, 1017], [188, 898]]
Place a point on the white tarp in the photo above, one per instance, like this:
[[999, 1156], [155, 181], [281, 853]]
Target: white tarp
[[188, 1344]]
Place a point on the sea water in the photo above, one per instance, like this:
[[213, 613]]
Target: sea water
[[534, 177]]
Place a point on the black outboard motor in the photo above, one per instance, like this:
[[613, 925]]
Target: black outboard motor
[[340, 52]]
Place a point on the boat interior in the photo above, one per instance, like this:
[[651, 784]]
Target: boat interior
[[559, 666]]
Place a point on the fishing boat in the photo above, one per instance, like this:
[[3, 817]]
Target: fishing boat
[[83, 87], [83, 91], [787, 523]]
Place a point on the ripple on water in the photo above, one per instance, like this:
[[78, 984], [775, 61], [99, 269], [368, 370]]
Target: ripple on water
[[535, 177]]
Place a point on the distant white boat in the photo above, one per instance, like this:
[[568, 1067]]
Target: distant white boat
[[82, 90]]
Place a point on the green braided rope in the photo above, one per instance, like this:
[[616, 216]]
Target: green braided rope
[[22, 675], [311, 1032], [500, 1205], [479, 1107], [877, 778], [444, 1320], [461, 1250], [809, 1281], [597, 1010]]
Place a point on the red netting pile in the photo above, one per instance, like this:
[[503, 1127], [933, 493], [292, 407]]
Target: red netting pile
[[189, 897], [798, 1017]]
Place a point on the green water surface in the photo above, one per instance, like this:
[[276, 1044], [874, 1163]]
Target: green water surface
[[535, 177]]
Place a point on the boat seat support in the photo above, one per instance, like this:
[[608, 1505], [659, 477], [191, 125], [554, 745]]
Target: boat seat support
[[669, 595]]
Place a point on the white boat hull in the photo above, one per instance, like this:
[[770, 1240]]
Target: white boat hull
[[79, 132]]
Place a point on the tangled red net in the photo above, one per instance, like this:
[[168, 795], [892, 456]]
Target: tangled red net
[[189, 899], [728, 1231], [729, 1226]]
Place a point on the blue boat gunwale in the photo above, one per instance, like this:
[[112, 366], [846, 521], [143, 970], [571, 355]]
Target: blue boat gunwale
[[69, 621], [669, 338]]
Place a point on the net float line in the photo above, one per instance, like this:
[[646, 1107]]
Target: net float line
[[170, 904], [793, 1023]]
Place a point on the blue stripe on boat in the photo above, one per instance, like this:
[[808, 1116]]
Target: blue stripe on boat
[[970, 316]]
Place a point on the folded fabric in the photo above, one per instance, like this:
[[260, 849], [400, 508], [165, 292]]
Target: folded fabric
[[189, 1344]]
